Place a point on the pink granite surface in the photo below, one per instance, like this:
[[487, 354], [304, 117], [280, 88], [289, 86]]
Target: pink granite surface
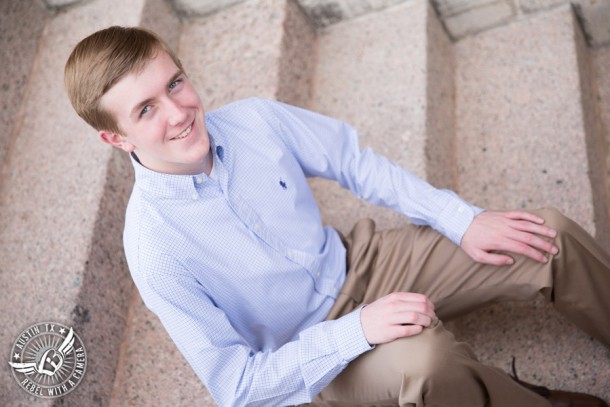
[[250, 58], [21, 23], [62, 201], [601, 81], [522, 142], [389, 75], [152, 371]]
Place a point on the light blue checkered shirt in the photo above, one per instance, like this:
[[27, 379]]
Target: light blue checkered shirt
[[238, 265]]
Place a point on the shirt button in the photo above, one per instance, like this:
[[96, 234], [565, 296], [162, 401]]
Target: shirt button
[[257, 227], [194, 197], [461, 209], [199, 179], [318, 274]]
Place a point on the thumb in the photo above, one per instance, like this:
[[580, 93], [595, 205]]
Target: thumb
[[494, 259]]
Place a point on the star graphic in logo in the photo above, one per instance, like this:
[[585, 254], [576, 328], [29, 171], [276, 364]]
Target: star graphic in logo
[[17, 356], [62, 331]]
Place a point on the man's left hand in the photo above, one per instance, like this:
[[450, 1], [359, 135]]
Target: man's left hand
[[519, 232]]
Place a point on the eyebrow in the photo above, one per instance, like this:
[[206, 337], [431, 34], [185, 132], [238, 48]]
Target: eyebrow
[[138, 107]]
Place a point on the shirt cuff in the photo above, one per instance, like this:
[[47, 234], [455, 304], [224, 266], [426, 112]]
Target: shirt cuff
[[455, 218], [349, 336]]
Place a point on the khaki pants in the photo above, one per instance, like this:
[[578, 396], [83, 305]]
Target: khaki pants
[[433, 369]]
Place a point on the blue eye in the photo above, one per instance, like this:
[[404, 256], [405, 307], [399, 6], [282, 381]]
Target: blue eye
[[174, 84], [145, 110]]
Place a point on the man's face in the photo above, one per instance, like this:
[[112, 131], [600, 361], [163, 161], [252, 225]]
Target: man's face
[[161, 118]]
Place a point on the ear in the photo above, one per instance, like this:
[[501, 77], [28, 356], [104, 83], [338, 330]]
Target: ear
[[116, 140]]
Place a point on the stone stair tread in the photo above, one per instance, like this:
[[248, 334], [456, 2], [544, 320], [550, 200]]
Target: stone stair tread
[[153, 371], [375, 73], [523, 142], [391, 74]]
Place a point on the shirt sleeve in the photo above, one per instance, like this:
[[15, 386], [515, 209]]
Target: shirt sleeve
[[329, 148], [234, 373]]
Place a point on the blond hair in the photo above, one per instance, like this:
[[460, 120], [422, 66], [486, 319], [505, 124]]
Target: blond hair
[[99, 61]]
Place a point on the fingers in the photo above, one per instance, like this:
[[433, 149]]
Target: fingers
[[525, 215], [411, 302], [534, 227], [410, 317], [517, 247], [518, 232], [415, 298], [396, 315], [402, 331], [529, 239], [532, 240], [409, 308]]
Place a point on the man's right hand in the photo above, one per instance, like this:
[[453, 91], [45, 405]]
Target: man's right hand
[[395, 316]]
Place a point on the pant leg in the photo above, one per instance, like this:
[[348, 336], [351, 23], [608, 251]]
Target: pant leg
[[431, 369], [418, 259]]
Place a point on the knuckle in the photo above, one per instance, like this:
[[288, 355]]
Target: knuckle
[[421, 307], [429, 308], [522, 248], [419, 297], [411, 318]]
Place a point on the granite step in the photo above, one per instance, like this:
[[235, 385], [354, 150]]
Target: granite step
[[472, 113], [390, 75], [529, 134], [62, 202]]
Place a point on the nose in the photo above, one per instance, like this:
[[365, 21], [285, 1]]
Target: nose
[[176, 113]]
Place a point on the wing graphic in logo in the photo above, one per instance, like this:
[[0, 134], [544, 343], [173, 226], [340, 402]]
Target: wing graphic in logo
[[50, 361], [25, 368]]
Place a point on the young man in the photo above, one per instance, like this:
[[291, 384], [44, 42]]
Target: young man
[[225, 244]]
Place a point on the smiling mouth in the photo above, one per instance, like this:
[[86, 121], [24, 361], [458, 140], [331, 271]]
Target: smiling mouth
[[185, 133]]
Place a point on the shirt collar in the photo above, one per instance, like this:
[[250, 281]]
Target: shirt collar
[[169, 185]]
